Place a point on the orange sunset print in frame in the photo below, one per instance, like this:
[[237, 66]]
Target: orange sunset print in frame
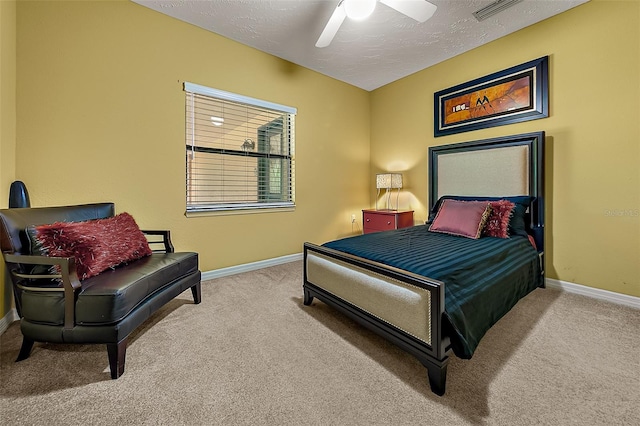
[[510, 96]]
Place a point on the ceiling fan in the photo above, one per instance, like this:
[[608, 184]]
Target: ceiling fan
[[420, 10]]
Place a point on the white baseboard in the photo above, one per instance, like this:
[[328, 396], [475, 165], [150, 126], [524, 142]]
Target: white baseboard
[[10, 317], [609, 296], [232, 270]]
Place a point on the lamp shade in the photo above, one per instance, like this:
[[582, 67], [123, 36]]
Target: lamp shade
[[383, 180], [396, 180], [389, 180]]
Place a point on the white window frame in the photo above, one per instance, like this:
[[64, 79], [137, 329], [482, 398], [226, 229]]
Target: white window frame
[[266, 160]]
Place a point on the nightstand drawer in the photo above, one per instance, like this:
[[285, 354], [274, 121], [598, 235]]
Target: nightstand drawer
[[385, 220], [379, 222]]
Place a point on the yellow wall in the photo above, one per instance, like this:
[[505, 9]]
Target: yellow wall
[[100, 116], [7, 121], [593, 135]]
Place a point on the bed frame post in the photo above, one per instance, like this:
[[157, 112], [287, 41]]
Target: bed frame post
[[437, 373], [308, 298]]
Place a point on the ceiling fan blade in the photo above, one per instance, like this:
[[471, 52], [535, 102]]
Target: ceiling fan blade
[[420, 10], [332, 26]]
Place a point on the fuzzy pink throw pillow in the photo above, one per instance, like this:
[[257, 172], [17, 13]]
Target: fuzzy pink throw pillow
[[498, 223], [96, 245]]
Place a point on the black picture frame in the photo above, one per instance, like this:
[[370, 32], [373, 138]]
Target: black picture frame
[[514, 95]]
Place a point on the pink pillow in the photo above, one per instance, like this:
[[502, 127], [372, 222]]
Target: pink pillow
[[96, 245], [498, 222], [462, 218]]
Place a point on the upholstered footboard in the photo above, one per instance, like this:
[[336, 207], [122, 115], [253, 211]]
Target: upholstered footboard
[[402, 307]]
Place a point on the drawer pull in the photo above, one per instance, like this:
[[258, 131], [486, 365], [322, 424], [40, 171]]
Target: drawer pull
[[368, 220], [388, 223]]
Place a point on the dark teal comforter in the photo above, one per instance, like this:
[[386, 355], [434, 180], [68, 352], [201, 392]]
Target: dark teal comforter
[[483, 278]]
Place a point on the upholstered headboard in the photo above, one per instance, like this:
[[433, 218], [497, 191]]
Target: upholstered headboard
[[500, 167]]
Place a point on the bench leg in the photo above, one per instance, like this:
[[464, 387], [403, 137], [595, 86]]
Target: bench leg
[[25, 349], [117, 353], [197, 293]]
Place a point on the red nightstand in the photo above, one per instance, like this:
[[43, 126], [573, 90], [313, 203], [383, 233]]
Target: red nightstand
[[385, 220]]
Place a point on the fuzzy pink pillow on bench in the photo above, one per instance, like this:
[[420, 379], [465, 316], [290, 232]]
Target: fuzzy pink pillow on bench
[[96, 245]]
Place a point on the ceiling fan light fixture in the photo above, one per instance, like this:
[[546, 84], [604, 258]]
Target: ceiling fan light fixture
[[419, 10], [359, 9]]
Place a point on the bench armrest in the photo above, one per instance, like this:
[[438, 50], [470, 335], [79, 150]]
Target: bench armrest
[[164, 240], [67, 275]]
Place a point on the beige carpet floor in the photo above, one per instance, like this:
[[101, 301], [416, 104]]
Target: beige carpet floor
[[253, 354]]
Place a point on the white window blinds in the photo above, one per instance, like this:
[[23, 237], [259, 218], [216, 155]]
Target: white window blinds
[[239, 151]]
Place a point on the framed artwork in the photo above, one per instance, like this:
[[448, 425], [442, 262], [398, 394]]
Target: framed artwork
[[520, 93]]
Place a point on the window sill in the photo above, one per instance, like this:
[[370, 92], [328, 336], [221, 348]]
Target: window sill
[[234, 212]]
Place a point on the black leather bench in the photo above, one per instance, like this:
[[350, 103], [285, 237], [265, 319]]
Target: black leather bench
[[104, 308]]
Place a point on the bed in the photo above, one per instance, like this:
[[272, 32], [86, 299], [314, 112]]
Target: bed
[[432, 293]]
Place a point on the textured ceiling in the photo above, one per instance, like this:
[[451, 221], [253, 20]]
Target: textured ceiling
[[368, 54]]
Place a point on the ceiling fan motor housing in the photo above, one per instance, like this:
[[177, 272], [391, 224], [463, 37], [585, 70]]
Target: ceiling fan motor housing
[[359, 9]]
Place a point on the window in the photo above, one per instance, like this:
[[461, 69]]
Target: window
[[239, 151]]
